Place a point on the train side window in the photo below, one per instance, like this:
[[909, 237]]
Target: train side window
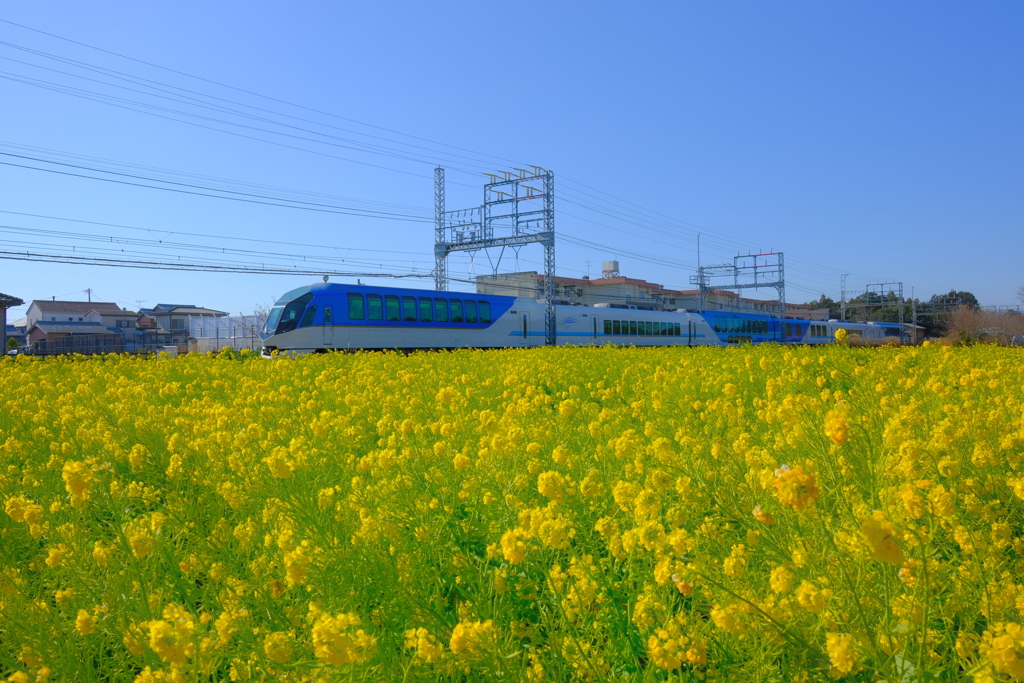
[[678, 329], [307, 318], [641, 328], [426, 310], [616, 327], [470, 311], [664, 329], [789, 330], [607, 326], [327, 316], [648, 331], [800, 330], [441, 310], [392, 308], [356, 309], [485, 312], [632, 327], [409, 309], [457, 311], [375, 307], [716, 325]]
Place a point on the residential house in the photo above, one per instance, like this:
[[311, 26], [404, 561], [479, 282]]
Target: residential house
[[67, 311], [174, 318], [125, 319]]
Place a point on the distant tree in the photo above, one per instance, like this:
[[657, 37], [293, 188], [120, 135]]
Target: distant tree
[[966, 299], [890, 314], [826, 302], [12, 343]]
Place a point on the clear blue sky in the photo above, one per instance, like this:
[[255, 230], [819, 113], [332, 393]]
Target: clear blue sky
[[878, 139]]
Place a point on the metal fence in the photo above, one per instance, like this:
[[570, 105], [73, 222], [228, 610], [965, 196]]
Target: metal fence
[[212, 334], [85, 344]]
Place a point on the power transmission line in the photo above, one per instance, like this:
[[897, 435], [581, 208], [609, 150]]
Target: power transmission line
[[209, 235]]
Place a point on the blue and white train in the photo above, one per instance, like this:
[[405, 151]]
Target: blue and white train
[[328, 316]]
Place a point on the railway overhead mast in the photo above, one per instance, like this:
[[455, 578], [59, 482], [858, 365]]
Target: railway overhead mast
[[518, 209]]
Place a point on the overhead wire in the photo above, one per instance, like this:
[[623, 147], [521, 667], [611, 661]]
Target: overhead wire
[[208, 235], [192, 267], [187, 246], [363, 214], [281, 191]]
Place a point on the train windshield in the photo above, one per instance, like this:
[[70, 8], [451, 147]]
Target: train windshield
[[274, 319], [292, 312]]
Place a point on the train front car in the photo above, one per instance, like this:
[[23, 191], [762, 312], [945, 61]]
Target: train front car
[[325, 317], [281, 333]]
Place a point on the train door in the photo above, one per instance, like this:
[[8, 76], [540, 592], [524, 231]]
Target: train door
[[328, 328], [595, 329], [525, 323], [689, 333]]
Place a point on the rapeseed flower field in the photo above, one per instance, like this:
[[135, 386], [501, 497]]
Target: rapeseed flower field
[[593, 514]]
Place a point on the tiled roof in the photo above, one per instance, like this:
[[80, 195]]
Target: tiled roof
[[52, 327], [83, 307], [8, 300]]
